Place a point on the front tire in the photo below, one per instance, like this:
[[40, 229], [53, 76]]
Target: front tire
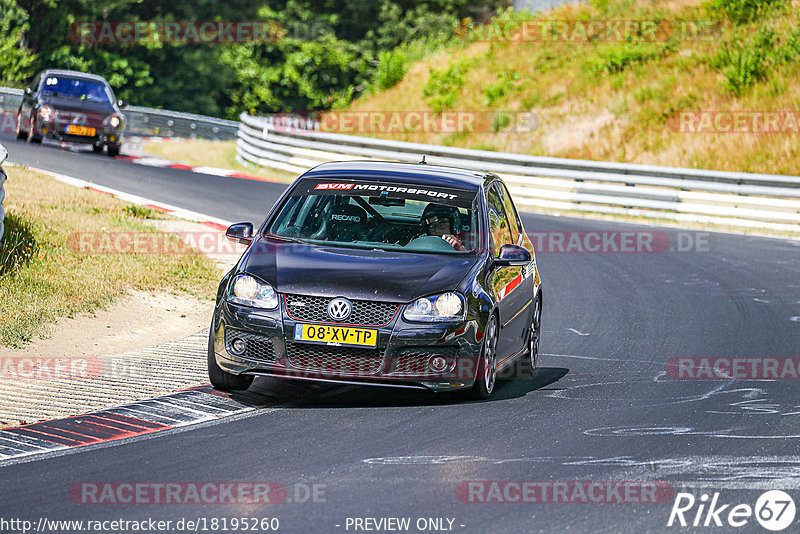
[[486, 378], [21, 135], [219, 378], [32, 137], [113, 151]]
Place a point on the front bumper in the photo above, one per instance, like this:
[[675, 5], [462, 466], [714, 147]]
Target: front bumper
[[403, 357], [104, 135]]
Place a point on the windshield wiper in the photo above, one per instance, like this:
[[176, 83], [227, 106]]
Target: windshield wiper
[[283, 238]]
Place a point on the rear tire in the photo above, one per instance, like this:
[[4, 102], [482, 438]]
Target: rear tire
[[486, 377], [532, 360], [220, 379], [97, 149]]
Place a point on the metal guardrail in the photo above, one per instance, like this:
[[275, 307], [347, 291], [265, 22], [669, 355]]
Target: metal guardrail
[[162, 123], [151, 122], [689, 195]]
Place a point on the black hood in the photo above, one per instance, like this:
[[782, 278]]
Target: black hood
[[354, 273]]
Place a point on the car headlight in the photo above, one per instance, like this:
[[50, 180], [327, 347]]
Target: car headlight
[[45, 112], [250, 291], [113, 120], [439, 308]]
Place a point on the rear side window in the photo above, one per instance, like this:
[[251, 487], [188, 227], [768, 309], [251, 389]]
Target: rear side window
[[498, 222]]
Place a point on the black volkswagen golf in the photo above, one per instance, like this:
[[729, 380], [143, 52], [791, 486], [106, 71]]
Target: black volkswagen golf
[[381, 274]]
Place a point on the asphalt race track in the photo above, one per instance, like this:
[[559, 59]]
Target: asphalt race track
[[603, 407]]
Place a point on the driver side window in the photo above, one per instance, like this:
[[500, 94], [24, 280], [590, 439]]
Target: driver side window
[[498, 221]]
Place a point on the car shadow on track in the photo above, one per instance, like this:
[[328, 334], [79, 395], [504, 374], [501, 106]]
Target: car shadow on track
[[57, 146], [378, 397]]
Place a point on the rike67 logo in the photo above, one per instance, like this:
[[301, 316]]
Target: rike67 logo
[[774, 510]]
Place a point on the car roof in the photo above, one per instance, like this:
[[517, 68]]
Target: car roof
[[390, 171], [73, 74]]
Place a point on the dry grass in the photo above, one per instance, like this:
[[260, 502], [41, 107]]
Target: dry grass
[[221, 154], [43, 278]]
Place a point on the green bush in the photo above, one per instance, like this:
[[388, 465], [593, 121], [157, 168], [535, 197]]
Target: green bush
[[742, 11], [621, 56], [496, 91], [140, 212], [392, 68], [789, 50], [393, 64], [443, 86], [500, 120], [745, 62]]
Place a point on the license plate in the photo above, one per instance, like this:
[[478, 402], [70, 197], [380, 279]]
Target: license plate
[[336, 335], [75, 129]]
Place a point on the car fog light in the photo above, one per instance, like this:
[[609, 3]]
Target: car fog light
[[438, 364], [238, 345]]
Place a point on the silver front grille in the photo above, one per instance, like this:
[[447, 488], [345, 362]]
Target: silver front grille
[[337, 361], [365, 312]]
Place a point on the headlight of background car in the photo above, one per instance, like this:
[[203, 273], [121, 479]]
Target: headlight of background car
[[444, 307], [113, 120], [46, 112], [247, 290]]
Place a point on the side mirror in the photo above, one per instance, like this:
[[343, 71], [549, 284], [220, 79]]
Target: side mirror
[[122, 104], [28, 91], [513, 256], [241, 232]]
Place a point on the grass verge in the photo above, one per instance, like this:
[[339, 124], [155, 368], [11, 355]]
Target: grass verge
[[43, 278], [608, 98]]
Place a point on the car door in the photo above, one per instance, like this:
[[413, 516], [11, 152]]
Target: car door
[[528, 281], [505, 280]]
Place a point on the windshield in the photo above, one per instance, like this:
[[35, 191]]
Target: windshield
[[89, 90], [385, 216]]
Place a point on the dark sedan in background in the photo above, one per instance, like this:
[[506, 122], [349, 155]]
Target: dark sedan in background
[[71, 106], [383, 274]]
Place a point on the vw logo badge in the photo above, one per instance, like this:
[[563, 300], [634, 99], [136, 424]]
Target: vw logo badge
[[339, 309]]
